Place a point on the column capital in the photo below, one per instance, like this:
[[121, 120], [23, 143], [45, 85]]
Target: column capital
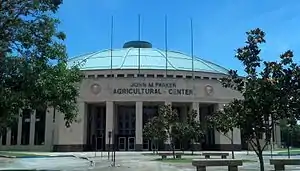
[[168, 103]]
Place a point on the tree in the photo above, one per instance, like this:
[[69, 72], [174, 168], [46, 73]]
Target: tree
[[169, 118], [268, 96], [33, 61], [160, 127], [167, 125], [153, 131], [225, 123], [194, 131]]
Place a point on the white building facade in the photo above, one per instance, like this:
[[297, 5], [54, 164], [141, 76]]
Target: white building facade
[[121, 90]]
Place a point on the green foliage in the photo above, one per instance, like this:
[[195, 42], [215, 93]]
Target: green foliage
[[225, 120], [167, 125], [33, 70], [268, 96], [153, 129], [189, 129], [290, 133]]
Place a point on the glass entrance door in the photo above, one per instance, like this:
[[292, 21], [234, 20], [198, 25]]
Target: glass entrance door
[[122, 143], [131, 143], [146, 144], [99, 143]]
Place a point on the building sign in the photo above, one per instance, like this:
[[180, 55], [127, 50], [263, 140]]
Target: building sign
[[150, 88]]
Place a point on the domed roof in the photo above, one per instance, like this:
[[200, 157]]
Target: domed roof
[[150, 58]]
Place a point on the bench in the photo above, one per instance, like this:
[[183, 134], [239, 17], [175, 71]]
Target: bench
[[232, 164], [280, 163], [223, 155], [164, 155]]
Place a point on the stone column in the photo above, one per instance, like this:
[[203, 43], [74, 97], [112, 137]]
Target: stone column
[[32, 128], [223, 142], [49, 128], [138, 126], [8, 137], [278, 136], [109, 124], [19, 137], [195, 106], [85, 124], [167, 143]]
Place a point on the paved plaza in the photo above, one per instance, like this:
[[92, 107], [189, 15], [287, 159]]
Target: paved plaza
[[125, 161]]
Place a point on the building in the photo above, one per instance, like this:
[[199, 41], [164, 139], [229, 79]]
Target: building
[[121, 90]]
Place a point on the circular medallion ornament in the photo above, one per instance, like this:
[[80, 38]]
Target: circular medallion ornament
[[95, 88], [209, 90]]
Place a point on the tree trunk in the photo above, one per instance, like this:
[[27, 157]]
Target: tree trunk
[[153, 144], [192, 147], [173, 149], [232, 145], [156, 146], [261, 161], [259, 152]]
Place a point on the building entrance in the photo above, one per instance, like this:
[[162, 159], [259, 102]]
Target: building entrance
[[122, 143], [126, 128], [149, 112], [96, 127], [131, 143]]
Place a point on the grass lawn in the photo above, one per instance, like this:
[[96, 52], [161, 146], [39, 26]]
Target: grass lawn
[[285, 149], [188, 154], [18, 154], [189, 160], [291, 152]]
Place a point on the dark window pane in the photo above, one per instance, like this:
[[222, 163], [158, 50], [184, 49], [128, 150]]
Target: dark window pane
[[4, 134], [40, 121], [14, 133], [25, 127]]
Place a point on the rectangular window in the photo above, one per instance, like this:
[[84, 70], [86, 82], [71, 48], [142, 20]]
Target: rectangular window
[[14, 133], [4, 134], [91, 76], [120, 75], [39, 135], [130, 75], [150, 75]]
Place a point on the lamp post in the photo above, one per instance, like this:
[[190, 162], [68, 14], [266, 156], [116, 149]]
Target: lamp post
[[96, 147], [109, 139], [114, 151]]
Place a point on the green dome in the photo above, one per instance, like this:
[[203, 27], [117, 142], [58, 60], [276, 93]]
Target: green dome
[[150, 58]]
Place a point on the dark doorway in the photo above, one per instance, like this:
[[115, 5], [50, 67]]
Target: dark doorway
[[126, 128], [96, 127]]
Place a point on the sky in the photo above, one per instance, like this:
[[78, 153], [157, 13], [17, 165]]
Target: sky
[[219, 26]]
